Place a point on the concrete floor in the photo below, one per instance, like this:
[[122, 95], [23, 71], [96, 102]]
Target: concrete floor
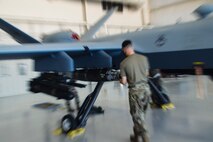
[[191, 121]]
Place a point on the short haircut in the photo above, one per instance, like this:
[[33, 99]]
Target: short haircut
[[126, 43]]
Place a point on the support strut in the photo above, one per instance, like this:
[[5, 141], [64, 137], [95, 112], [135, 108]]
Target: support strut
[[87, 105]]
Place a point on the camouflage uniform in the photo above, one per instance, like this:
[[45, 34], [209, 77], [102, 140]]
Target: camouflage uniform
[[138, 102]]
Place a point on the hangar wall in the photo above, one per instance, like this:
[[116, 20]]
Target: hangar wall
[[167, 12], [61, 14]]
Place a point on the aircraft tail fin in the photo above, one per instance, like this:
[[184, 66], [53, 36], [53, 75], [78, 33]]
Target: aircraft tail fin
[[204, 10], [91, 32], [17, 34]]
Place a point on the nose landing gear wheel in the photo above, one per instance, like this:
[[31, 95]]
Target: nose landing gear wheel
[[68, 123]]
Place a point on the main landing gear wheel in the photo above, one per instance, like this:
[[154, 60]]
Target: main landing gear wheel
[[68, 123]]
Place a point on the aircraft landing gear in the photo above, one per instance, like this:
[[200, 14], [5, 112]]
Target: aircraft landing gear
[[69, 122]]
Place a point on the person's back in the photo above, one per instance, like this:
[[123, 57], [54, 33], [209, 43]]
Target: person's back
[[136, 68]]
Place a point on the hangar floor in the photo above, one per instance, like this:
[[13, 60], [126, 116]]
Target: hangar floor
[[190, 121]]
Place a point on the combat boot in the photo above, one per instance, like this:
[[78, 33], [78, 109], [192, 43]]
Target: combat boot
[[134, 138], [145, 137]]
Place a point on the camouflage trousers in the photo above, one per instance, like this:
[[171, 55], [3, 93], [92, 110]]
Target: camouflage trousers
[[138, 102]]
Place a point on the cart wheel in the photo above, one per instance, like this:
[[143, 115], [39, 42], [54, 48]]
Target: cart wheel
[[68, 123]]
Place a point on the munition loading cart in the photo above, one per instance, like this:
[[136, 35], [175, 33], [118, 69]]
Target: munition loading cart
[[62, 87], [159, 98]]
